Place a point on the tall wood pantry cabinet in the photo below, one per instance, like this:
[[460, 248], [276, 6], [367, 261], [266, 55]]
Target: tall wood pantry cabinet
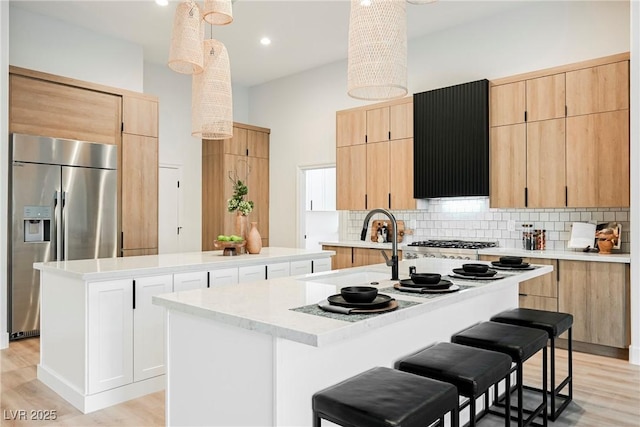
[[245, 156], [551, 131], [374, 156], [60, 107]]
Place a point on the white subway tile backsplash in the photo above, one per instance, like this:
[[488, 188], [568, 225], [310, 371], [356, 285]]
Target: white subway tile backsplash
[[474, 220]]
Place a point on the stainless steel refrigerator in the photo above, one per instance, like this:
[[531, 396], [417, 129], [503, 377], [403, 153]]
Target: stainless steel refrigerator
[[63, 206]]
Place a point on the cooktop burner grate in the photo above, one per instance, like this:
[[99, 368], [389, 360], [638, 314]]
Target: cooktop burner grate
[[453, 244]]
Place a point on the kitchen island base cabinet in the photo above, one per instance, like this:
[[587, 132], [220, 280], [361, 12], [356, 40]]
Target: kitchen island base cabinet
[[91, 352], [231, 377]]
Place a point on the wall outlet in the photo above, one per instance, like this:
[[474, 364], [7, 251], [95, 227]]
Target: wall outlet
[[511, 225]]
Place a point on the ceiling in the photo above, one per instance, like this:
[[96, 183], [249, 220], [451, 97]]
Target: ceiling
[[305, 34]]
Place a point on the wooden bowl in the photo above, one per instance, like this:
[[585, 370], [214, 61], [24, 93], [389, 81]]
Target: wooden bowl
[[359, 294], [229, 248]]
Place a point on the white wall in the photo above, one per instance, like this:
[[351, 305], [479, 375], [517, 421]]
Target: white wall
[[4, 165], [300, 109], [50, 45], [179, 148]]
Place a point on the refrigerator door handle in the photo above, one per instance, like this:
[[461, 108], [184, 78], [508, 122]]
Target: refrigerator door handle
[[55, 227], [63, 222]]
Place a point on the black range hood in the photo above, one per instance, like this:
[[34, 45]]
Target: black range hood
[[451, 141]]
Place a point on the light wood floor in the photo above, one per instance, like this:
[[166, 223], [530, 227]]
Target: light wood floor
[[606, 393]]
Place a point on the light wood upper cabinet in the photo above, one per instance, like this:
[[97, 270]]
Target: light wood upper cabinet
[[597, 295], [258, 144], [237, 144], [140, 116], [577, 117], [351, 127], [508, 172], [378, 125], [139, 192], [401, 120], [508, 103], [546, 164], [546, 97], [46, 108], [390, 122], [598, 89], [378, 175], [401, 174], [598, 159], [351, 177]]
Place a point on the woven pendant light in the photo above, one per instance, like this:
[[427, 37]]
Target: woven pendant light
[[217, 12], [185, 53], [421, 1], [211, 101], [377, 64]]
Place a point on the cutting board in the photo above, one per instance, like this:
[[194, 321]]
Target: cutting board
[[376, 223]]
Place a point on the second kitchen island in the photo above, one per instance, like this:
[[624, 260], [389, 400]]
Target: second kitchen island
[[254, 355]]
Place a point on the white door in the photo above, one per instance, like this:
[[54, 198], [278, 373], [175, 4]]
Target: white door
[[110, 334], [148, 327], [168, 209]]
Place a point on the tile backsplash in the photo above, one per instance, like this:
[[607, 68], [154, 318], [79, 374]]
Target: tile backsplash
[[471, 218]]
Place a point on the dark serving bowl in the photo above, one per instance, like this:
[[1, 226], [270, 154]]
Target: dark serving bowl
[[475, 268], [513, 260], [359, 293], [426, 278]]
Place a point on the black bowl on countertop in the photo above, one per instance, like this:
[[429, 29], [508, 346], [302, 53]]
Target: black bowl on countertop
[[426, 278], [359, 294], [511, 260], [475, 268]]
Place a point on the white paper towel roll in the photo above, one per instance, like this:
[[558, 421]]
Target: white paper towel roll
[[582, 235]]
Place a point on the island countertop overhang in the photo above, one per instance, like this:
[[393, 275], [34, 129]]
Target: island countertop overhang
[[266, 307], [127, 267]]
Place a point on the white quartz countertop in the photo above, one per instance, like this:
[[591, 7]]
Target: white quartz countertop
[[361, 244], [564, 255], [266, 306], [126, 267]]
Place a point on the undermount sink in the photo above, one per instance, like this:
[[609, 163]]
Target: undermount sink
[[351, 279]]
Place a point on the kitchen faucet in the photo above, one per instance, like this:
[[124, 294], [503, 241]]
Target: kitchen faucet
[[393, 262]]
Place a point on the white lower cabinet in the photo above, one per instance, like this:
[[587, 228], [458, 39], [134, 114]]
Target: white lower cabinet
[[149, 327], [110, 335], [251, 273], [225, 276], [125, 331], [322, 264], [300, 267], [188, 281], [280, 269]]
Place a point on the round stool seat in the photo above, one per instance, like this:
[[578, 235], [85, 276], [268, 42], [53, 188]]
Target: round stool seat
[[554, 323], [386, 397]]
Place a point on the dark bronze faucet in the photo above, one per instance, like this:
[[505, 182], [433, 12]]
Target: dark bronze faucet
[[393, 262]]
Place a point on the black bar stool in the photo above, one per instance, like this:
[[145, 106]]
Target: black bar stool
[[382, 397], [518, 342], [472, 370], [554, 323]]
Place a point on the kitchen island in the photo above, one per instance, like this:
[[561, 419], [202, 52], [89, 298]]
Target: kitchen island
[[102, 340], [254, 355]]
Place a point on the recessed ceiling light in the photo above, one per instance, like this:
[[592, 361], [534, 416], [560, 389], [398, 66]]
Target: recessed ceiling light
[[266, 41], [162, 2]]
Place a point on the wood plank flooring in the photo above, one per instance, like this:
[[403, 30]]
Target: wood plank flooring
[[606, 394]]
